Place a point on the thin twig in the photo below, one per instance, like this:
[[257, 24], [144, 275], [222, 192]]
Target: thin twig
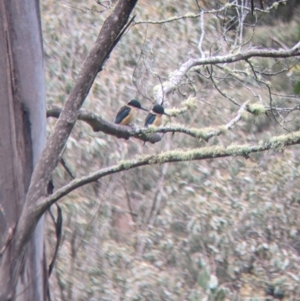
[[176, 77], [212, 11]]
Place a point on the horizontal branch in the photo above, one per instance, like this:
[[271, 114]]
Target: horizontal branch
[[98, 124], [207, 133], [160, 91], [276, 143]]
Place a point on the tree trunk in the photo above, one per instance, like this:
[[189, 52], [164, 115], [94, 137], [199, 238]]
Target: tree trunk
[[22, 138]]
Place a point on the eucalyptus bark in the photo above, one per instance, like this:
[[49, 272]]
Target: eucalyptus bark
[[23, 136], [22, 91]]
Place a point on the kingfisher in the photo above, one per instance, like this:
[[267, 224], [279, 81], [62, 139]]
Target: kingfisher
[[155, 116], [126, 114]]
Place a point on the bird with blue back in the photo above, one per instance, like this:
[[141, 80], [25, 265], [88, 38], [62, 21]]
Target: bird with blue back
[[155, 116], [127, 114]]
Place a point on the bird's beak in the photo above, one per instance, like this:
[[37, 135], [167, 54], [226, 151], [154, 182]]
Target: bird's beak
[[144, 109], [167, 114]]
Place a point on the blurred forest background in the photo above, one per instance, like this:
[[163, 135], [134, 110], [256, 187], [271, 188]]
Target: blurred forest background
[[219, 229]]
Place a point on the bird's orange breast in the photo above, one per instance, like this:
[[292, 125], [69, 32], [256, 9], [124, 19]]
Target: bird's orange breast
[[157, 120], [129, 118]]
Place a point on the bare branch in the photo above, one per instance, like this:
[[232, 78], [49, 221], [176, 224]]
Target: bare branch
[[98, 124], [277, 143], [202, 34], [109, 33], [207, 133], [212, 11], [220, 91], [176, 77]]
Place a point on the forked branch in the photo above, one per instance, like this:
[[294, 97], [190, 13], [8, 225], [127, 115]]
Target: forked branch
[[98, 124], [108, 36], [176, 77]]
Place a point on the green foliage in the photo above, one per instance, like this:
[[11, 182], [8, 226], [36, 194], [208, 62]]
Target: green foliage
[[297, 88]]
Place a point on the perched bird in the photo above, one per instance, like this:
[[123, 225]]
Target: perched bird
[[127, 113], [155, 116]]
